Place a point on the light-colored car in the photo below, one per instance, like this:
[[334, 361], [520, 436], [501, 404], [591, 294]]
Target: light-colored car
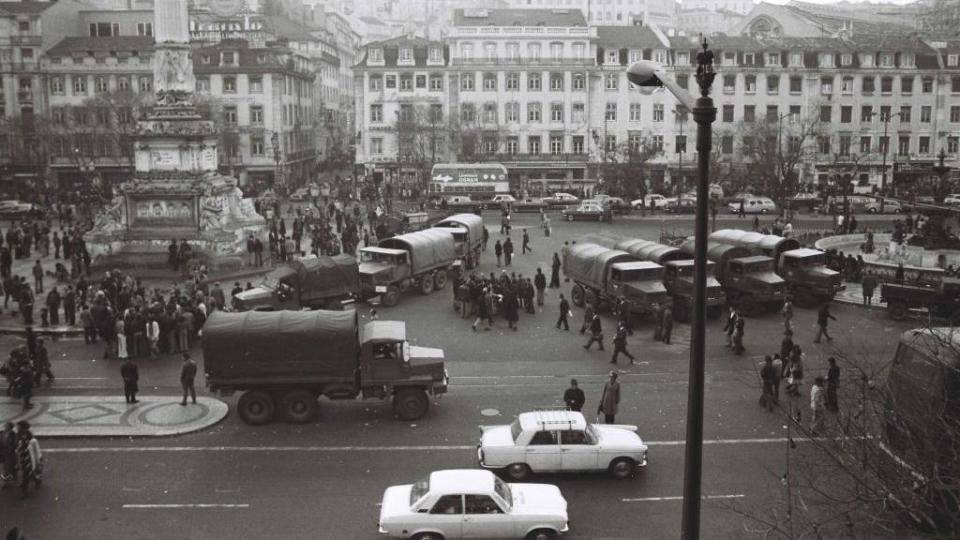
[[755, 205], [503, 198], [561, 441], [471, 503], [561, 199], [647, 199], [589, 210], [889, 207], [952, 199]]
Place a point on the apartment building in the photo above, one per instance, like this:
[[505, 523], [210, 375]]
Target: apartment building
[[406, 100], [611, 12], [266, 105]]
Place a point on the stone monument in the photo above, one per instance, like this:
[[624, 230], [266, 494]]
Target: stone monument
[[175, 192]]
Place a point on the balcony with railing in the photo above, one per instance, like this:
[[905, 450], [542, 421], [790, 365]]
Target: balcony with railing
[[540, 158], [522, 61], [474, 31]]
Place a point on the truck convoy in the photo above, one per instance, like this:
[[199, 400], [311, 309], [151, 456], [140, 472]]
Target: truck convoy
[[286, 360], [601, 275], [312, 282], [416, 260], [809, 281], [467, 230], [750, 283], [678, 276], [942, 301]]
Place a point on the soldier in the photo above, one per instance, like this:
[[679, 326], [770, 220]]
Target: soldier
[[620, 344], [596, 332], [41, 366], [667, 325]]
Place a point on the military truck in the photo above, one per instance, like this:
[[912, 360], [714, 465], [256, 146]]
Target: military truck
[[678, 276], [467, 230], [940, 301], [749, 281], [311, 282], [283, 361], [809, 281], [601, 275], [417, 260]]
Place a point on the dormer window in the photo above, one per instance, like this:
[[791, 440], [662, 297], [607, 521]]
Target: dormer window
[[729, 58], [683, 59], [376, 55], [773, 59], [227, 58], [406, 54], [612, 57], [634, 56], [846, 59], [953, 60], [261, 58], [826, 60], [436, 54], [748, 59], [796, 59], [886, 60], [867, 60], [907, 60], [205, 59], [660, 56]]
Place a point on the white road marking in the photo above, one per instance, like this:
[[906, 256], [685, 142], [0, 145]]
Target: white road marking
[[81, 378], [422, 448], [199, 505], [680, 498]]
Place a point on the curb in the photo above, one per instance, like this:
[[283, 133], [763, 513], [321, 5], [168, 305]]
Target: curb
[[46, 331]]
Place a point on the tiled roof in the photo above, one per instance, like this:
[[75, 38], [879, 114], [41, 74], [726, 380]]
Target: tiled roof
[[24, 7], [518, 17], [810, 43], [372, 20], [284, 28], [405, 41], [73, 45], [627, 36], [721, 42], [897, 43]]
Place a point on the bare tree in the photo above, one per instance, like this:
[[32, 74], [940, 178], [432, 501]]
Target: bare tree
[[625, 169]]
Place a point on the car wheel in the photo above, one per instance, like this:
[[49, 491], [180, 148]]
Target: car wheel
[[256, 408], [391, 297], [872, 210], [763, 210], [898, 310], [622, 468], [569, 217], [299, 406], [428, 536], [518, 471], [542, 534]]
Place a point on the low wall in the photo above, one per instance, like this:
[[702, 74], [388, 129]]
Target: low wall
[[886, 270]]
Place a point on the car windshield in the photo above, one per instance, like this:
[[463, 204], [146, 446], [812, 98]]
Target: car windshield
[[419, 489], [503, 490], [592, 435], [515, 429]]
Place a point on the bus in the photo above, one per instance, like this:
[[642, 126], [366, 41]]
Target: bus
[[481, 181], [921, 427]]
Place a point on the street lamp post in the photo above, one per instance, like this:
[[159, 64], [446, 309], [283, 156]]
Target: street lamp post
[[646, 73], [886, 145], [780, 177], [680, 113]]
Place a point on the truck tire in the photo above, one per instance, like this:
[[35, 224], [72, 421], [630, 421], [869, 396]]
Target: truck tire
[[439, 280], [590, 297], [898, 310], [391, 297], [410, 404], [299, 406], [576, 294], [426, 284], [256, 408]]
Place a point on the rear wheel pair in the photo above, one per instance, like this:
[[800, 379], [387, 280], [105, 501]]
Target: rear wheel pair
[[257, 407]]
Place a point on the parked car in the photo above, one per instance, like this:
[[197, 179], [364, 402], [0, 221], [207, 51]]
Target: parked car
[[561, 441], [19, 210], [561, 199], [616, 205], [529, 205], [755, 205], [952, 200], [502, 198], [890, 206], [648, 199], [470, 503], [681, 206], [587, 210]]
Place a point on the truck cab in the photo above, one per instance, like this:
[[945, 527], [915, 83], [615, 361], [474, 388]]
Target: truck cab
[[640, 282], [380, 268], [678, 279], [754, 277], [808, 275]]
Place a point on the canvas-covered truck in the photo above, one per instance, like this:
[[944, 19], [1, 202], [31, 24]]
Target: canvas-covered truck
[[601, 275], [942, 301], [749, 281], [418, 260], [311, 282], [809, 281], [677, 276], [467, 230], [283, 361]]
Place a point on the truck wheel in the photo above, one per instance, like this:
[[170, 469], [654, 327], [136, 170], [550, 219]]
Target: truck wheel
[[590, 298], [576, 294], [410, 404], [299, 406], [439, 280], [898, 311], [256, 408], [391, 297], [426, 284]]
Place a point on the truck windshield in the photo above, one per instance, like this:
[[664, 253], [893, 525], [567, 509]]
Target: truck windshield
[[373, 256], [810, 260], [420, 488], [758, 267], [649, 274]]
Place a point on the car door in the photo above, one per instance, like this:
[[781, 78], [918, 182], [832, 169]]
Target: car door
[[483, 518], [576, 451], [543, 452], [446, 516]]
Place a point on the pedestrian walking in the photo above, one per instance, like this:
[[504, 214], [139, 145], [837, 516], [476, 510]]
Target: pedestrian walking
[[8, 455], [511, 308], [777, 377], [484, 308], [498, 251], [823, 319], [667, 323], [793, 373], [587, 317], [53, 305], [596, 332], [507, 251], [573, 397], [540, 283], [738, 335], [730, 325], [38, 277], [833, 382], [29, 458], [153, 336], [767, 382], [89, 329], [564, 313], [546, 226], [555, 272], [620, 344], [787, 312], [526, 243], [610, 399], [756, 223], [122, 349], [741, 213], [188, 373], [869, 284], [41, 364], [817, 406], [131, 379], [486, 237]]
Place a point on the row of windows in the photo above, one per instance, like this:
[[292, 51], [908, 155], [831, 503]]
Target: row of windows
[[512, 49], [229, 84], [868, 84], [80, 84], [468, 81], [845, 144], [106, 29], [511, 145], [868, 113]]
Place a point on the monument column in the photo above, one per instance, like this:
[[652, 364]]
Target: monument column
[[172, 65]]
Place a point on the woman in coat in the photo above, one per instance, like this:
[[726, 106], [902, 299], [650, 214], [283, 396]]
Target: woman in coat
[[610, 399], [511, 308], [28, 457]]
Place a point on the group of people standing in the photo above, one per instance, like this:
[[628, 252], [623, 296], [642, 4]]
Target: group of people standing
[[21, 460]]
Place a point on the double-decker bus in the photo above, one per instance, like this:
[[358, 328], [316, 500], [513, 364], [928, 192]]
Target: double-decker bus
[[481, 181]]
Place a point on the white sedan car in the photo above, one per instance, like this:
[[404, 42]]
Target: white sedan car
[[470, 503], [561, 441]]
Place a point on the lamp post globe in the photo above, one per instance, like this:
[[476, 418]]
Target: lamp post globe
[[644, 73]]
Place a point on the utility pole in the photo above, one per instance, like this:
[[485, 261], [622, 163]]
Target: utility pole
[[680, 114]]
